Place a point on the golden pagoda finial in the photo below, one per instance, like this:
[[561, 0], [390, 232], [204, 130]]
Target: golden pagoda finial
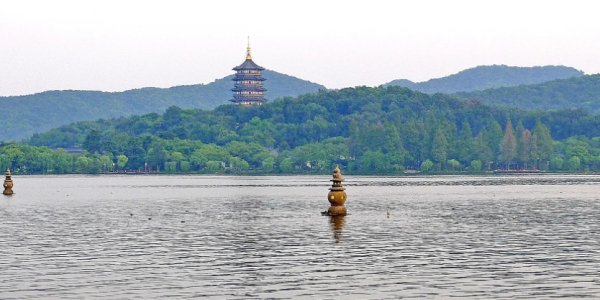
[[8, 183], [248, 55]]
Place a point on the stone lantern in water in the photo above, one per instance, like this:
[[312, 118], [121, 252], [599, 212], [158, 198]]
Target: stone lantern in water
[[337, 195], [8, 183]]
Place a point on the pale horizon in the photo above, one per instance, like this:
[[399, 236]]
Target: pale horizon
[[114, 46]]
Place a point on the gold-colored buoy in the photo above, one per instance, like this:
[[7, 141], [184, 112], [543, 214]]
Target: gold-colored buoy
[[8, 183], [337, 195]]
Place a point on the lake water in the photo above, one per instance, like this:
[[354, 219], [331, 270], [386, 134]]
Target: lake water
[[146, 237]]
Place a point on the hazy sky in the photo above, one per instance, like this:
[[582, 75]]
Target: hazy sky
[[119, 45]]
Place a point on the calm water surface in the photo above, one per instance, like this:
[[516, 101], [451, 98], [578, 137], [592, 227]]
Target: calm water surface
[[145, 237]]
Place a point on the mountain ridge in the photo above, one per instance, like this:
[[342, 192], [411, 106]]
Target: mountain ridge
[[572, 93], [28, 114], [489, 76]]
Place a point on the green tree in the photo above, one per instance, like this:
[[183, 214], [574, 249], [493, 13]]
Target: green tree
[[574, 164], [185, 166], [439, 147], [494, 135], [475, 166], [542, 143], [83, 164], [213, 166], [238, 164], [259, 131], [415, 140], [92, 142], [122, 161], [484, 153], [268, 165], [556, 163], [465, 142], [286, 165], [156, 155], [427, 166], [373, 162], [578, 148], [525, 147], [453, 164], [509, 145], [63, 161], [208, 152], [170, 167], [107, 163], [176, 156]]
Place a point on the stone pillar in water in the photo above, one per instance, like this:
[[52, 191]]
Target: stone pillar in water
[[8, 184], [337, 195]]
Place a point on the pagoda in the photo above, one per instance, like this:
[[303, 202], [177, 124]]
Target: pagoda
[[337, 195], [248, 88], [8, 183]]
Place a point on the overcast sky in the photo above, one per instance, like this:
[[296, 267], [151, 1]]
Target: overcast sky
[[119, 45]]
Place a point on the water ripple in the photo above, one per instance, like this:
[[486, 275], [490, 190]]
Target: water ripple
[[262, 237]]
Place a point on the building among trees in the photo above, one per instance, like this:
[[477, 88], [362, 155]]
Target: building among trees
[[248, 88]]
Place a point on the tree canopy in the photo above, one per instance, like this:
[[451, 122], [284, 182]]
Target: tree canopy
[[383, 130]]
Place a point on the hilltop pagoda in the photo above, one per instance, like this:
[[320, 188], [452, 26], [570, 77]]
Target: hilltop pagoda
[[248, 87]]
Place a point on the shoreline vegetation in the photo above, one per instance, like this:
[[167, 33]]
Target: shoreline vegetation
[[367, 131], [407, 173]]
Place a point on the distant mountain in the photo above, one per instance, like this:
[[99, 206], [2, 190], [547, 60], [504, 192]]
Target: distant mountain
[[23, 116], [486, 77], [574, 93]]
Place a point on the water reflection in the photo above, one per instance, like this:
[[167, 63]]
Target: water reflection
[[337, 224]]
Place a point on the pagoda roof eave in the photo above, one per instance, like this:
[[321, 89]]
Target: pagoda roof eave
[[248, 100], [248, 64], [248, 90]]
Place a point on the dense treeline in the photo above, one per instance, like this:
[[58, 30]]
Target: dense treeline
[[366, 130]]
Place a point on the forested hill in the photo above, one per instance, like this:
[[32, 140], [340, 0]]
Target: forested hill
[[579, 92], [24, 115], [366, 130], [486, 77]]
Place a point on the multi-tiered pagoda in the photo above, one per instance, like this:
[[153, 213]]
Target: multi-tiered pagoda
[[248, 89]]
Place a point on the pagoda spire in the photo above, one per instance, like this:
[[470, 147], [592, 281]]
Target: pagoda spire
[[248, 54], [248, 89]]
